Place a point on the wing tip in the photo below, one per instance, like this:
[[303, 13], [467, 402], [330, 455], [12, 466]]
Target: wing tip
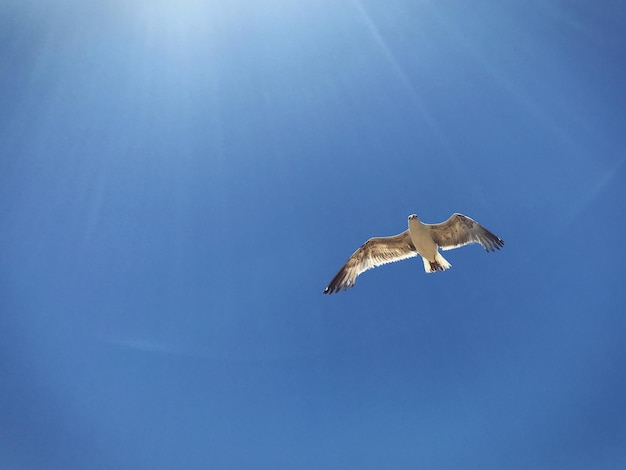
[[335, 288], [493, 244]]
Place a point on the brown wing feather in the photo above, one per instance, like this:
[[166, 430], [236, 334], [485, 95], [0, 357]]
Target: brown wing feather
[[460, 230], [372, 253]]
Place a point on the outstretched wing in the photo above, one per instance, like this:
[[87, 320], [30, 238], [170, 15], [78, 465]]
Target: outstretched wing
[[460, 230], [372, 253]]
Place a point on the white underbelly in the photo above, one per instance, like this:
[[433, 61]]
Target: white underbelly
[[423, 242]]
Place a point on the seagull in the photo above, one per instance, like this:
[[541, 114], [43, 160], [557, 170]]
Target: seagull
[[419, 239]]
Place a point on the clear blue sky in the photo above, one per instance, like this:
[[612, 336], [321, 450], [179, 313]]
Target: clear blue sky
[[179, 180]]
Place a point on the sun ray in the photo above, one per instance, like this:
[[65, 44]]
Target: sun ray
[[395, 65]]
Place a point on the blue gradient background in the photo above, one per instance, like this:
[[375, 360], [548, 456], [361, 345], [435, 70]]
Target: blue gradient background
[[179, 180]]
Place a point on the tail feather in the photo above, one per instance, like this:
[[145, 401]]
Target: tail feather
[[440, 264]]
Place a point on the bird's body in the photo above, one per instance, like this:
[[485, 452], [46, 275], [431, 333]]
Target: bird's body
[[425, 246], [419, 239]]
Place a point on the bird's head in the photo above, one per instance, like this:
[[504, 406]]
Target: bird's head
[[413, 220]]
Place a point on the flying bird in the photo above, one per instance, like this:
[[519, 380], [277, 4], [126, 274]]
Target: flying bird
[[419, 239]]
